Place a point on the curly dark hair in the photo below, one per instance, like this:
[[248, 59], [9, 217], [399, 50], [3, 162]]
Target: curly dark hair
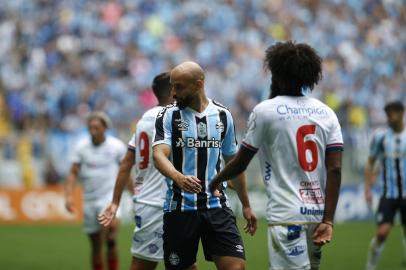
[[294, 67]]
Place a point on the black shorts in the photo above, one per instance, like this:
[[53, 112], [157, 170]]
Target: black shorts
[[387, 210], [216, 227]]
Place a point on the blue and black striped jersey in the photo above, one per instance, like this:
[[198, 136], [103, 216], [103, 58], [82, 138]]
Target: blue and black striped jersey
[[198, 141], [390, 148]]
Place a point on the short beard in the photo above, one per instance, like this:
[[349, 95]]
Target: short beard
[[184, 103], [180, 105]]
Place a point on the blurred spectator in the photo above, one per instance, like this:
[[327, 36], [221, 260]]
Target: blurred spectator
[[61, 59]]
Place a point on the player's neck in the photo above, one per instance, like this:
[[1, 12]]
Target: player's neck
[[98, 141], [399, 128], [200, 104]]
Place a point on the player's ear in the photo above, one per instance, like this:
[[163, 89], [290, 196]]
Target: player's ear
[[200, 84]]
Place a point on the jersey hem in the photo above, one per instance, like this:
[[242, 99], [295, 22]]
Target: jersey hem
[[292, 223], [160, 142]]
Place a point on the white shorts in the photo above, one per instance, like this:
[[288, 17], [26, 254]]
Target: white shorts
[[91, 210], [147, 241], [291, 247]]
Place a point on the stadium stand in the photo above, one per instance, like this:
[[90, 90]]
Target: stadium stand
[[61, 59]]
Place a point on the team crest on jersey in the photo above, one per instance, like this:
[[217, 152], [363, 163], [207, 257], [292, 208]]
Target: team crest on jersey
[[201, 130], [174, 258], [183, 125], [220, 126]]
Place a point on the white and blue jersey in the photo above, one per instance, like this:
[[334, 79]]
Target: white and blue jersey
[[198, 141], [390, 148]]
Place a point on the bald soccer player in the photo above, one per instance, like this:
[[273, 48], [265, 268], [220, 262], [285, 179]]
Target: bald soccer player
[[191, 138]]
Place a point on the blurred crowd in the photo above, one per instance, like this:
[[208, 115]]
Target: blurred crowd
[[59, 60]]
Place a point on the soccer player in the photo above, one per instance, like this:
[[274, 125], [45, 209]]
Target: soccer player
[[191, 137], [300, 144], [96, 161], [389, 147], [149, 185]]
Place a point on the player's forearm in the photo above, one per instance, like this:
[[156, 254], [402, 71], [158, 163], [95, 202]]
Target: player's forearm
[[121, 182], [231, 171], [123, 177], [369, 174], [70, 184], [333, 183], [71, 179], [332, 192], [240, 186], [164, 166]]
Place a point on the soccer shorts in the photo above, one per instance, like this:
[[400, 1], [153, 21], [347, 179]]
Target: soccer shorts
[[91, 210], [387, 210], [291, 247], [147, 238], [216, 227]]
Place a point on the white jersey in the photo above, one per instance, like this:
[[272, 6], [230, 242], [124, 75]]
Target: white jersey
[[99, 166], [149, 183], [293, 135]]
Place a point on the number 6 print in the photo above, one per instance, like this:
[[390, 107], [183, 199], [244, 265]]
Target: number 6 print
[[304, 146]]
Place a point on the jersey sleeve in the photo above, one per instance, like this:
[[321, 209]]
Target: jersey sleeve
[[121, 150], [229, 146], [75, 157], [131, 143], [254, 136], [163, 128], [376, 146], [335, 137]]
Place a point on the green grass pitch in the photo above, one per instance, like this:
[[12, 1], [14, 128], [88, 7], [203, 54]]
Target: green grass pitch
[[63, 247]]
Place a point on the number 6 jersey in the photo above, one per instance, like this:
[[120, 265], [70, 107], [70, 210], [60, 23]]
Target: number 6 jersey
[[292, 136]]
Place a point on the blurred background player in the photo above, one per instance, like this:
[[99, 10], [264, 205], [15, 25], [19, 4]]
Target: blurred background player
[[149, 185], [389, 147], [96, 161], [191, 137], [300, 144]]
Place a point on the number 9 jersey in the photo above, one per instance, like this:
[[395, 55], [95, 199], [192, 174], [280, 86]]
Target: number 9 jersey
[[292, 136], [149, 184]]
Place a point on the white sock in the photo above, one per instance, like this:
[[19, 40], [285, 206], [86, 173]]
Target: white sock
[[374, 253]]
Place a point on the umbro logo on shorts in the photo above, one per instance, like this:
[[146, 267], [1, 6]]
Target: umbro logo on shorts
[[240, 248]]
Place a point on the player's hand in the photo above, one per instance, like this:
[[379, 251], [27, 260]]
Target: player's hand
[[368, 197], [251, 226], [215, 187], [108, 215], [69, 205], [189, 183], [322, 234]]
